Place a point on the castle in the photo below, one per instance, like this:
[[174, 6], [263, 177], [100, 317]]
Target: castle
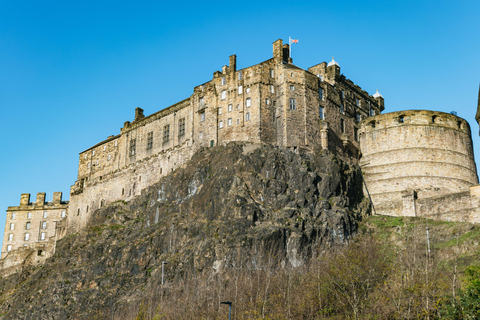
[[273, 102]]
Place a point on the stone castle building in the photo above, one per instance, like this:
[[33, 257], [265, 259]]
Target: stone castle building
[[273, 102]]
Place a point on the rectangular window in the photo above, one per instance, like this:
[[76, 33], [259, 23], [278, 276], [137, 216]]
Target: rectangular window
[[14, 215], [149, 141], [248, 90], [219, 110], [202, 116], [85, 156], [229, 122], [200, 135], [371, 112], [132, 147], [272, 73], [272, 90], [9, 248], [342, 109], [181, 127], [240, 75], [109, 157], [247, 116], [42, 236], [44, 224], [93, 152], [12, 226], [104, 148], [267, 102], [27, 226], [115, 144], [44, 214], [224, 95], [320, 94], [201, 102], [355, 133], [10, 237], [358, 117], [293, 104], [238, 121], [223, 81], [249, 102], [292, 87], [240, 89], [357, 102], [29, 215], [220, 124], [343, 94], [342, 125], [166, 133], [27, 236], [322, 112], [88, 165], [230, 107], [64, 214]]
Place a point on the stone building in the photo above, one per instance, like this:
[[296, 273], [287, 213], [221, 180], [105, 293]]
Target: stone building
[[32, 225], [273, 102], [420, 163]]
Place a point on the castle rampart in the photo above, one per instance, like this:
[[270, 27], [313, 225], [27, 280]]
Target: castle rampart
[[429, 153]]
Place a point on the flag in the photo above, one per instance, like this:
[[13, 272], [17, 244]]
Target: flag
[[294, 40]]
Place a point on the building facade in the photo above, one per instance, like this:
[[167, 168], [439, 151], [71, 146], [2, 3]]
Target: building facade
[[273, 102]]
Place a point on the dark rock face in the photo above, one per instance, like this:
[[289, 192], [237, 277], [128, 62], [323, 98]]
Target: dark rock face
[[231, 207]]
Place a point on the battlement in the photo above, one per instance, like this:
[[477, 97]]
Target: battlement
[[415, 117], [40, 202]]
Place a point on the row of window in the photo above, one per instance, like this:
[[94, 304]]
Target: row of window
[[229, 122], [240, 76], [104, 149], [27, 236], [29, 215], [43, 225]]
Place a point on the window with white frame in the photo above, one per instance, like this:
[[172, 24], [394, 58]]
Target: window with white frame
[[292, 87], [272, 89], [27, 236], [181, 127], [85, 156], [219, 110], [44, 214], [10, 237], [248, 102], [201, 102], [223, 95], [238, 106], [12, 226], [9, 248], [14, 215], [357, 102], [27, 226], [166, 133], [202, 116], [230, 107], [248, 90], [44, 224], [229, 122], [240, 75], [88, 165], [267, 102], [247, 116], [104, 148], [42, 236], [223, 81], [272, 73], [109, 157], [322, 112], [115, 144], [220, 124], [149, 141], [64, 214], [293, 104], [200, 135], [240, 89], [29, 215]]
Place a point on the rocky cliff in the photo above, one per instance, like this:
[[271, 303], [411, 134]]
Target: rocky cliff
[[237, 206]]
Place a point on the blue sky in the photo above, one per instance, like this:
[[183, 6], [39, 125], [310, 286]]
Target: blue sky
[[71, 73]]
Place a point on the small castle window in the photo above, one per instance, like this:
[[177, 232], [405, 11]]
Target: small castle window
[[240, 89], [358, 102], [247, 116], [272, 89], [39, 252], [45, 214], [267, 102], [248, 102], [115, 144], [224, 95], [42, 236], [123, 189], [401, 119], [202, 116], [230, 107], [132, 147], [181, 127], [109, 157], [223, 81], [12, 226], [200, 135], [29, 215], [240, 75], [44, 224], [248, 90], [272, 74], [343, 94], [238, 107], [78, 211], [293, 104], [88, 165], [14, 215], [371, 111], [85, 156], [322, 112], [87, 209], [220, 124], [219, 110], [201, 102], [238, 121], [372, 123], [93, 152], [63, 214], [342, 125], [320, 94], [292, 88], [166, 133], [355, 133], [9, 248], [10, 237], [211, 145], [229, 122], [27, 236], [342, 109], [434, 118], [149, 141], [104, 148], [358, 117], [27, 226]]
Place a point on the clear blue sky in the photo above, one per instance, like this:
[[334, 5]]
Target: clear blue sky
[[72, 72]]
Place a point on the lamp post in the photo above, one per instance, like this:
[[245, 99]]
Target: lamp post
[[163, 263], [229, 308]]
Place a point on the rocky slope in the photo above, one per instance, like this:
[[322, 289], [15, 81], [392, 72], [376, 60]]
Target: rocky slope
[[238, 206]]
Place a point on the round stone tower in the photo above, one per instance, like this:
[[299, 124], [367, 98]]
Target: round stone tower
[[416, 154]]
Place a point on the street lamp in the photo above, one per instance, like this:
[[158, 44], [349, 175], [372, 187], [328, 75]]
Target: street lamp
[[163, 263], [229, 308]]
